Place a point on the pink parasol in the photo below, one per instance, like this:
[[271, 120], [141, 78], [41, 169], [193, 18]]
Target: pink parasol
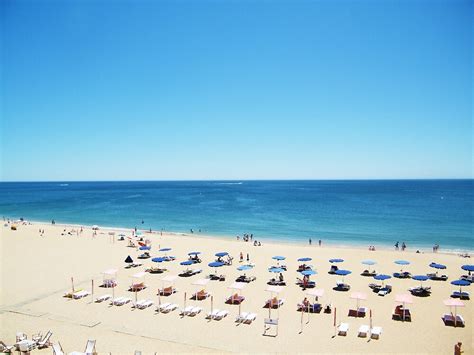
[[454, 303]]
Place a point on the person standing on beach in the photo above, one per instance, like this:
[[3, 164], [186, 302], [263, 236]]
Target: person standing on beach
[[248, 257], [310, 241], [319, 242], [241, 257], [457, 349]]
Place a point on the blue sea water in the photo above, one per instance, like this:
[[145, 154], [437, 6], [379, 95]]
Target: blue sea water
[[373, 212]]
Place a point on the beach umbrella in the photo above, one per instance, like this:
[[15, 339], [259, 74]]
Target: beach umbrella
[[358, 296], [244, 267], [194, 253], [438, 266], [186, 262], [276, 269], [343, 273], [460, 283], [221, 254], [404, 298], [308, 272], [420, 278], [158, 260], [336, 260], [129, 260], [278, 257], [144, 248], [468, 268], [304, 259], [164, 249], [454, 303], [216, 264], [382, 277], [402, 262], [368, 262]]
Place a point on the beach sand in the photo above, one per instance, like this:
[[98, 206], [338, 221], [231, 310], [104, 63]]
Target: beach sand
[[36, 271]]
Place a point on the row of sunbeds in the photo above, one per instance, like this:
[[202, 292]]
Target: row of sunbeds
[[363, 332]]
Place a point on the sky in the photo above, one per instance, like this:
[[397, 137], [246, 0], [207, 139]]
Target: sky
[[197, 90]]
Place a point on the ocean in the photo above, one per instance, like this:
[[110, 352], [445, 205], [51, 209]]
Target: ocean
[[420, 213]]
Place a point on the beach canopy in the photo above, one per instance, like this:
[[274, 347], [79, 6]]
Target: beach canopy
[[216, 264], [402, 262], [438, 266], [144, 248], [110, 272], [358, 296], [420, 277], [278, 257], [308, 272], [274, 289], [194, 253], [343, 272], [221, 254], [165, 249], [129, 260], [139, 275], [404, 298], [453, 303], [336, 260], [187, 262], [315, 292], [305, 259], [460, 283], [368, 262], [244, 267], [158, 260], [169, 278], [382, 277], [468, 267], [201, 282], [121, 235], [276, 269], [237, 285]]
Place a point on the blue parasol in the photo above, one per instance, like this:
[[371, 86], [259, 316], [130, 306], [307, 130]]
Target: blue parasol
[[304, 259], [420, 277], [468, 267], [368, 262], [336, 260], [278, 257], [343, 272], [276, 269], [438, 266], [194, 253], [221, 254], [402, 262], [144, 248], [158, 260], [216, 264], [460, 283], [187, 262], [244, 267], [308, 272], [165, 249]]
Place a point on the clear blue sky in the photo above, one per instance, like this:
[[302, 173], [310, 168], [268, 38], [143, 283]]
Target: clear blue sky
[[106, 90]]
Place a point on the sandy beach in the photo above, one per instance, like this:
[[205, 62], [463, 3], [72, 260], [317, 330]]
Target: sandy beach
[[37, 271]]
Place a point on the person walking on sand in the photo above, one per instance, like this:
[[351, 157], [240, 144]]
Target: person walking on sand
[[248, 257], [319, 242], [241, 257], [457, 349], [310, 241]]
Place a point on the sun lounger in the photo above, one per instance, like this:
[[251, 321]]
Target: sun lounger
[[385, 290], [274, 303], [80, 294], [235, 299], [201, 295], [44, 341], [168, 308], [312, 308], [247, 279], [120, 301], [368, 273], [90, 348], [25, 346], [109, 283], [436, 277], [375, 332], [360, 312], [142, 304], [167, 291], [57, 349], [103, 298], [215, 277], [137, 287], [156, 270], [342, 329], [420, 291], [333, 269], [341, 286], [363, 330], [464, 295], [190, 311], [217, 314], [6, 349], [469, 278], [246, 318], [402, 275], [401, 314]]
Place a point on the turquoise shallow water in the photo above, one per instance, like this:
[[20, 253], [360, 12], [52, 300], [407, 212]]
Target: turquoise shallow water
[[418, 212]]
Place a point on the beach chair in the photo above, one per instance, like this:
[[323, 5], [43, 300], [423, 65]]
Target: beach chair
[[44, 342], [167, 307], [341, 286], [220, 315], [167, 291], [80, 294], [402, 275], [211, 315], [137, 287], [460, 321], [246, 317], [200, 295], [385, 290], [195, 271], [6, 349], [120, 301], [25, 346], [342, 329], [142, 304], [103, 298], [156, 270], [90, 348], [375, 332], [190, 311], [368, 273], [363, 330], [464, 295], [274, 303], [58, 349], [235, 299], [333, 269]]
